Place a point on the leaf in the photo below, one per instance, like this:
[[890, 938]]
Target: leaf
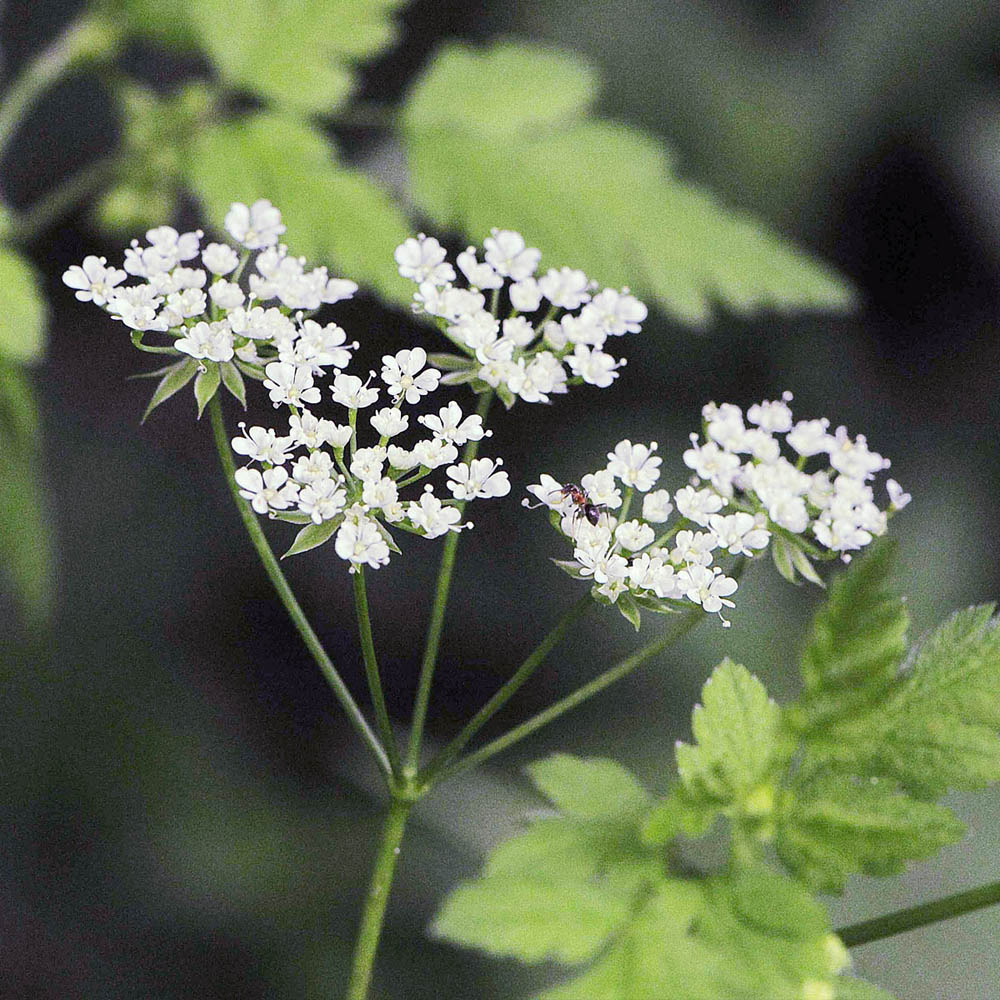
[[629, 609], [335, 215], [781, 554], [24, 316], [233, 381], [678, 814], [801, 562], [175, 380], [848, 988], [571, 568], [295, 53], [858, 642], [26, 549], [206, 385], [832, 827], [594, 788], [448, 362], [737, 736], [487, 147], [313, 535]]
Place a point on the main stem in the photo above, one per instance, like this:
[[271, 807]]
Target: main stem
[[436, 624], [372, 672], [267, 557], [373, 916], [920, 916], [509, 689]]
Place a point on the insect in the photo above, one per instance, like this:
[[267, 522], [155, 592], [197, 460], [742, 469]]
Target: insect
[[584, 506]]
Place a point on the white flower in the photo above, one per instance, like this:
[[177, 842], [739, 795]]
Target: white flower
[[535, 381], [810, 437], [480, 478], [853, 458], [313, 468], [447, 425], [423, 260], [772, 415], [322, 500], [432, 517], [178, 246], [389, 421], [272, 490], [697, 505], [184, 305], [549, 492], [707, 587], [789, 512], [261, 444], [710, 462], [310, 432], [290, 384], [897, 497], [565, 287], [220, 258], [256, 226], [476, 329], [402, 374], [259, 323], [93, 280], [432, 453], [361, 543], [635, 465], [400, 458], [656, 506], [350, 391], [477, 274], [381, 493], [366, 463], [137, 307], [634, 535], [601, 488], [593, 366], [207, 341], [739, 534], [724, 425], [525, 295], [693, 548], [507, 254], [616, 313], [226, 294], [518, 330]]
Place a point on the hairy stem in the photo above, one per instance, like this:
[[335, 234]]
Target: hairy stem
[[88, 37], [372, 672], [373, 915], [436, 624], [509, 689], [267, 557], [920, 916]]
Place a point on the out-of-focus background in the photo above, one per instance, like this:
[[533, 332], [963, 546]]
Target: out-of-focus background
[[184, 812]]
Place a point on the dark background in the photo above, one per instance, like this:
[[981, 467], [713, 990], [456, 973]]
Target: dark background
[[183, 810]]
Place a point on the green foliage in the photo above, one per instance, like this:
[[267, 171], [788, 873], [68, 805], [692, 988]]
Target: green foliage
[[589, 789], [206, 385], [22, 324], [334, 214], [25, 539], [490, 146], [312, 535], [175, 377]]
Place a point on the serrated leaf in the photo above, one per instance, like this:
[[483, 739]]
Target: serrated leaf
[[206, 385], [594, 788], [313, 535], [233, 381], [171, 383], [628, 609], [26, 550], [335, 215], [24, 316], [737, 734], [857, 644], [592, 195], [834, 827], [311, 69]]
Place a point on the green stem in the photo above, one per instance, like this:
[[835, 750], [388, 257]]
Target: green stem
[[509, 689], [436, 623], [920, 916], [578, 697], [267, 557], [373, 915], [371, 670], [88, 37]]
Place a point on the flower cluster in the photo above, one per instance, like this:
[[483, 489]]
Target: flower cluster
[[313, 471], [556, 328], [744, 495]]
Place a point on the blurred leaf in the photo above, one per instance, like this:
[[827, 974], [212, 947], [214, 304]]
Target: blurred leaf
[[297, 53], [176, 378], [832, 827], [629, 610], [165, 20], [589, 789], [24, 316], [26, 551], [334, 214], [589, 194], [736, 729], [858, 989]]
